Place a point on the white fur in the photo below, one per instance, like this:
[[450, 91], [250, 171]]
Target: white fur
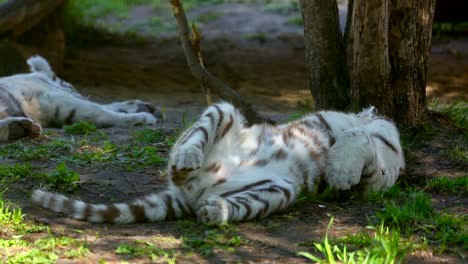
[[47, 99], [224, 171]]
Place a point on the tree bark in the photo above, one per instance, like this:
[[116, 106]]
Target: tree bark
[[370, 67], [410, 31], [390, 42], [325, 54], [18, 16]]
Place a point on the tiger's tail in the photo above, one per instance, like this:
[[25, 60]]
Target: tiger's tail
[[165, 205]]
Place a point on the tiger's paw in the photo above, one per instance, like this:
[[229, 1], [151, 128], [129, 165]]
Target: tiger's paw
[[187, 158], [23, 127], [144, 119], [213, 211]]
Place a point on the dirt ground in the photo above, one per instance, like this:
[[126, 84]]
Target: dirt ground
[[267, 67]]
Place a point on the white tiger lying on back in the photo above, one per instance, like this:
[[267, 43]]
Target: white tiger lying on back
[[40, 98], [222, 171]]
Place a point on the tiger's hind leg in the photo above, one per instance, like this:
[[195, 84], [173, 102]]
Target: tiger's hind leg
[[135, 106], [13, 128], [63, 109], [216, 125], [254, 200]]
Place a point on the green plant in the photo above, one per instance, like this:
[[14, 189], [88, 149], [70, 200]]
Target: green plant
[[63, 179], [149, 135], [385, 247], [414, 210], [140, 248], [81, 127], [205, 239], [449, 185], [89, 153], [296, 20], [10, 218], [147, 155], [282, 7]]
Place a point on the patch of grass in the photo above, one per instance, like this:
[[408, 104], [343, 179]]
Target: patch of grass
[[63, 179], [449, 231], [204, 239], [414, 210], [208, 16], [47, 250], [456, 152], [440, 30], [91, 153], [21, 152], [283, 7], [141, 249], [386, 246], [81, 127], [303, 107], [456, 111], [147, 155], [10, 218], [296, 20], [15, 171], [148, 135], [393, 192], [413, 214], [457, 185]]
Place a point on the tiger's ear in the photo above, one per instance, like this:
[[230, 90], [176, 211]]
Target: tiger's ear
[[39, 64], [368, 112]]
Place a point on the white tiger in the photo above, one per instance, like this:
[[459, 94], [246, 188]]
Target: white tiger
[[220, 170], [39, 98]]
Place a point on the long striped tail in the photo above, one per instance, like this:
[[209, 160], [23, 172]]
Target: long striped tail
[[165, 205]]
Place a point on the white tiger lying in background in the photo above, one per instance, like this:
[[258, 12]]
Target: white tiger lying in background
[[40, 98], [222, 171]]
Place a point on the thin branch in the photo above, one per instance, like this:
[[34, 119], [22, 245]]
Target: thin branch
[[204, 76]]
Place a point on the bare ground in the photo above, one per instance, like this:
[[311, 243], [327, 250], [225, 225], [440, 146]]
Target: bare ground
[[269, 71]]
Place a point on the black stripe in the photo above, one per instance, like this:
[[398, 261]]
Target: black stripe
[[384, 140], [233, 204], [138, 212], [13, 106], [170, 214], [277, 189], [286, 192], [323, 121], [227, 127], [248, 209], [245, 188], [211, 117], [221, 116], [182, 207], [57, 113], [69, 118], [264, 202], [200, 128]]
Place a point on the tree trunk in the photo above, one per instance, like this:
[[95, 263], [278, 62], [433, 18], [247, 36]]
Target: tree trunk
[[370, 67], [410, 31], [325, 54], [390, 42]]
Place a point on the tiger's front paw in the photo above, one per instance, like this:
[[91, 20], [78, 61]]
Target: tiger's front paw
[[183, 161], [24, 127], [347, 159], [145, 119], [213, 211], [187, 158]]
